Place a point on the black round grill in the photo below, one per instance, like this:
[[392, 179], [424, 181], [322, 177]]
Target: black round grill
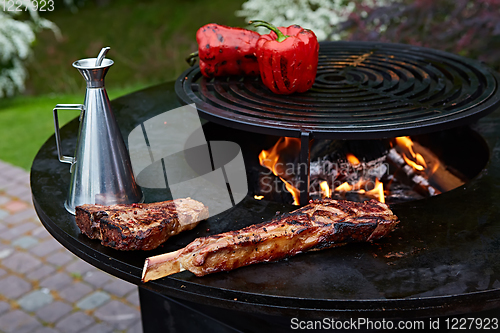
[[363, 90]]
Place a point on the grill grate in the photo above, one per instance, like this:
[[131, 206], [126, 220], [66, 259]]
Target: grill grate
[[363, 90]]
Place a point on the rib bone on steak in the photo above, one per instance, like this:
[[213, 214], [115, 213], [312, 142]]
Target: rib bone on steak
[[319, 225], [139, 226]]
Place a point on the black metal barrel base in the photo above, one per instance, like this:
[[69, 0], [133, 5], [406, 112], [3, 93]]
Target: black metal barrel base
[[168, 314]]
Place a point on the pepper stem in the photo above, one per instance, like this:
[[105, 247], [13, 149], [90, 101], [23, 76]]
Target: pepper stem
[[260, 23], [191, 59]]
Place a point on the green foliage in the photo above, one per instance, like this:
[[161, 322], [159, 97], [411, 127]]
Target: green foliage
[[26, 123], [18, 24], [321, 16], [470, 28], [149, 41]]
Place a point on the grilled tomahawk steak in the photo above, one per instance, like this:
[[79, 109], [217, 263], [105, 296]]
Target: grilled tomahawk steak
[[319, 225], [139, 226]]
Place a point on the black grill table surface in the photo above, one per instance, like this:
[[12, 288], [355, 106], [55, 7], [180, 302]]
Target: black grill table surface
[[442, 260]]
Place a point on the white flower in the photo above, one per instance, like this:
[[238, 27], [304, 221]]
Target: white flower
[[16, 38], [321, 16]]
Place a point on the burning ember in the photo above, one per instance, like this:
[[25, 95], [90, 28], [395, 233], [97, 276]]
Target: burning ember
[[325, 189], [275, 160], [419, 161], [377, 192], [352, 159], [406, 171]]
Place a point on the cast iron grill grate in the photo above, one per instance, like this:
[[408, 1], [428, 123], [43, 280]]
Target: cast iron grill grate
[[363, 90]]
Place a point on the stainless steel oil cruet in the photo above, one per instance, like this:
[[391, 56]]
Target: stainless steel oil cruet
[[101, 171]]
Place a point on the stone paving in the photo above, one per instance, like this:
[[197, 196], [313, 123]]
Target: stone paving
[[44, 288]]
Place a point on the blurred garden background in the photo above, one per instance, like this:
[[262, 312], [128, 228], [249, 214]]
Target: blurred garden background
[[150, 39]]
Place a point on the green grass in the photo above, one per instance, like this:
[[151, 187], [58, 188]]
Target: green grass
[[149, 40], [27, 122]]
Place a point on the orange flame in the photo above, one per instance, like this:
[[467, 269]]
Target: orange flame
[[345, 187], [378, 191], [293, 190], [352, 159], [434, 169], [417, 161], [273, 160], [325, 189], [413, 164]]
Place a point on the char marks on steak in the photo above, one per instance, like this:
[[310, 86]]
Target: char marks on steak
[[139, 226], [319, 225]]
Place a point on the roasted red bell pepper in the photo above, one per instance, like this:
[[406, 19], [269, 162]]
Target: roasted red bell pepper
[[227, 51], [288, 58]]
